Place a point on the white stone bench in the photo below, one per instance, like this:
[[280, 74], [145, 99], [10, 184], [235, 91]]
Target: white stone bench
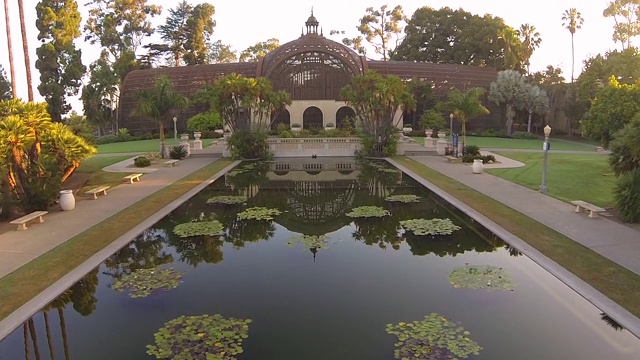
[[593, 210], [100, 189], [133, 177], [171, 163], [22, 222]]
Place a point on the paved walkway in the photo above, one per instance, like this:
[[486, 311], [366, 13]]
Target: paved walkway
[[613, 240]]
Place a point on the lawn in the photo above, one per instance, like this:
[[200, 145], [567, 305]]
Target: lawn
[[93, 167], [614, 281], [569, 176], [508, 143], [140, 146]]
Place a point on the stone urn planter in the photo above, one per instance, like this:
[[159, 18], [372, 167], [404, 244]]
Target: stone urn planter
[[428, 132], [477, 166], [67, 200], [407, 130], [442, 134], [329, 127], [296, 127]]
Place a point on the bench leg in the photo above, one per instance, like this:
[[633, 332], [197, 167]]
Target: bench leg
[[578, 208], [22, 226], [593, 214], [105, 192], [40, 219], [95, 196]]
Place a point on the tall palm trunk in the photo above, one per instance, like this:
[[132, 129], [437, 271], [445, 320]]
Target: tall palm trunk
[[34, 338], [48, 329], [25, 333], [25, 48], [63, 330], [573, 60], [162, 146], [11, 65]]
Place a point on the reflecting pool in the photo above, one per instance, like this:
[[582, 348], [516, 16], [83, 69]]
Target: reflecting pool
[[304, 281]]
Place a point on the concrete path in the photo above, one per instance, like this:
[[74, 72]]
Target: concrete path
[[19, 247], [613, 240]]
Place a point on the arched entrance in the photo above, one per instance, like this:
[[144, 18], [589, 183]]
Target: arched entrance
[[343, 113], [312, 118], [282, 117]]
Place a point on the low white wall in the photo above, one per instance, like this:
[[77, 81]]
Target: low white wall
[[307, 147]]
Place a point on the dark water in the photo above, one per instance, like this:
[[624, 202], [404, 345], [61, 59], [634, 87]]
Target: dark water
[[330, 304]]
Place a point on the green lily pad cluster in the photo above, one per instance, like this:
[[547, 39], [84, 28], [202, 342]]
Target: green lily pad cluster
[[143, 282], [199, 228], [207, 337], [482, 277], [309, 241], [403, 198], [430, 227], [382, 168], [259, 213], [227, 200], [242, 169], [368, 212], [434, 338]]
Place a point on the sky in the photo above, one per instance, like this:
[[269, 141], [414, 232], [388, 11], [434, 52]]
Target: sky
[[243, 23]]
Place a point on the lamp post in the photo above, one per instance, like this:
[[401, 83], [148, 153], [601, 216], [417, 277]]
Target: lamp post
[[545, 147], [451, 134], [175, 128]]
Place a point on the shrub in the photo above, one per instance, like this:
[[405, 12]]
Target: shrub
[[249, 145], [407, 125], [523, 135], [370, 147], [329, 125], [123, 134], [296, 125], [177, 152], [141, 161], [416, 133], [433, 119], [145, 136], [107, 139], [488, 158], [493, 133], [473, 150], [627, 196], [281, 127], [209, 120], [285, 134]]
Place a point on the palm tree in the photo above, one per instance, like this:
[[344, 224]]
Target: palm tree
[[530, 41], [160, 103], [25, 48], [11, 67], [464, 106], [572, 20]]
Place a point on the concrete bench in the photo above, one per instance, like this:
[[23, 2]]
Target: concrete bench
[[593, 210], [171, 163], [22, 222], [100, 189], [453, 159], [133, 177]]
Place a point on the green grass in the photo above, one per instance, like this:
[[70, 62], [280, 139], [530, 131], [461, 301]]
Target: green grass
[[569, 176], [614, 281], [96, 163], [93, 167], [28, 281], [506, 143], [142, 146]]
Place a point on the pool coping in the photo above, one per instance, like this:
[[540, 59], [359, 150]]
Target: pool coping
[[30, 308], [623, 317]]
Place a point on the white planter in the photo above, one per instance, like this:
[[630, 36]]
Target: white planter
[[219, 131], [329, 128], [477, 166], [296, 129], [197, 135], [442, 134], [407, 130], [428, 132], [67, 200]]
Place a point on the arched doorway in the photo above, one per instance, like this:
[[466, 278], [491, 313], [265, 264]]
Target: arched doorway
[[312, 118], [343, 113], [282, 117]]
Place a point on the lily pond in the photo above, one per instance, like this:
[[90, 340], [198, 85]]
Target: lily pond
[[318, 260]]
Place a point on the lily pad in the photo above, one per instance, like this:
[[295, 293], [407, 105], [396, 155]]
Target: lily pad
[[430, 227], [482, 277], [309, 241], [199, 228], [368, 212], [143, 282], [227, 200], [403, 198], [434, 338], [206, 337], [258, 213]]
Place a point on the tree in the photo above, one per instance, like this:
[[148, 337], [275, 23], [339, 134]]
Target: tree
[[447, 36], [174, 32], [260, 49], [25, 49], [625, 14], [465, 105], [12, 71], [380, 27], [508, 90], [59, 62], [534, 100], [355, 43], [379, 103], [199, 29], [549, 77], [160, 103], [220, 53], [572, 20], [5, 86], [625, 161], [99, 95], [530, 42]]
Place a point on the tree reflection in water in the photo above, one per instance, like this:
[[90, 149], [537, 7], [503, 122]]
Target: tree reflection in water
[[145, 252]]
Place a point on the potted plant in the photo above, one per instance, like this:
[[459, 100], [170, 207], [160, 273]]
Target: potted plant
[[432, 121], [329, 126], [407, 129], [296, 127]]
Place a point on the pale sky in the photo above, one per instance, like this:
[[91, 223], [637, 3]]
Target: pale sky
[[243, 23]]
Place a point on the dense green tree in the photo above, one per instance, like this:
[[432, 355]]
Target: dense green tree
[[625, 149], [5, 86], [12, 72], [260, 49], [59, 61], [25, 50], [465, 105], [100, 95], [548, 77], [572, 20], [379, 103], [221, 53], [174, 32], [534, 100], [613, 107], [448, 36], [160, 103], [531, 40], [508, 90], [422, 92], [381, 27], [199, 29], [626, 14]]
